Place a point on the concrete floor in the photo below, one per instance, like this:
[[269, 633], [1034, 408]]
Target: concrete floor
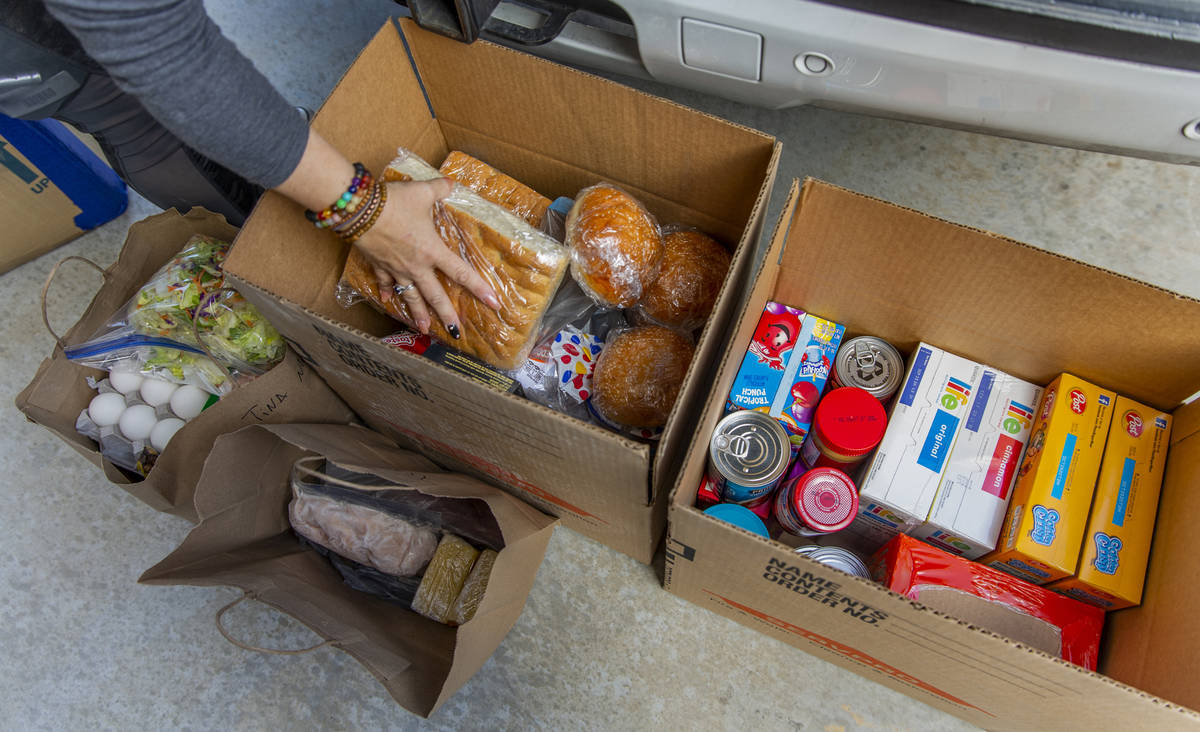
[[599, 645]]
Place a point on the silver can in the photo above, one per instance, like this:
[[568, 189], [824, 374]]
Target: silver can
[[747, 455], [836, 557], [871, 364]]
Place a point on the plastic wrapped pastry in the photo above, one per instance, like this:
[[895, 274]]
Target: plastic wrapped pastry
[[616, 246], [638, 375], [472, 592], [693, 268], [496, 187], [444, 578], [367, 536]]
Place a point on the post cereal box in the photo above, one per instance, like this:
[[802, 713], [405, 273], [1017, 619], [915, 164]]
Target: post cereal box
[[1042, 531], [1112, 563], [785, 368], [903, 476], [972, 499]]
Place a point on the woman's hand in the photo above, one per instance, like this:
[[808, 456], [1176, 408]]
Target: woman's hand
[[402, 246], [405, 249]]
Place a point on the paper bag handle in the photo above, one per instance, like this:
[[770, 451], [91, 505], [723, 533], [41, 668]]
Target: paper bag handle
[[279, 652], [50, 278]]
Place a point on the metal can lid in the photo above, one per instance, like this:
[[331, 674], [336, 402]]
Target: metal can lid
[[870, 363], [825, 499], [749, 448], [849, 421], [839, 558], [739, 516]]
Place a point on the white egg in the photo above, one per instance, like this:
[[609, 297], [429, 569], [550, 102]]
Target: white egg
[[137, 422], [188, 401], [125, 382], [105, 410], [163, 432], [157, 391]]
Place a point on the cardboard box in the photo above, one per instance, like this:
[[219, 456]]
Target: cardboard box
[[1116, 544], [968, 510], [556, 130], [1043, 530], [830, 247], [902, 477], [52, 189]]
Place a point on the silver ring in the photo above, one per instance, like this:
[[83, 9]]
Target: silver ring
[[401, 289]]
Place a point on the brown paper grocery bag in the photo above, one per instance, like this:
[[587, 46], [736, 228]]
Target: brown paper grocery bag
[[290, 392], [244, 540]]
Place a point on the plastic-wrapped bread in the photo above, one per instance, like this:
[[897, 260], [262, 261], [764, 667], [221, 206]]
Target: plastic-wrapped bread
[[693, 268], [523, 266], [444, 578], [472, 592], [367, 536], [616, 245], [639, 374], [496, 187]]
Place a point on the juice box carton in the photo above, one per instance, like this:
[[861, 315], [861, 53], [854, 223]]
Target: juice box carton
[[1116, 546], [903, 476], [1048, 513], [785, 368], [971, 500]]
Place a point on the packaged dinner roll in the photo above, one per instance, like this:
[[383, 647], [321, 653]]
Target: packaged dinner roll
[[694, 266], [523, 266], [639, 374], [615, 244]]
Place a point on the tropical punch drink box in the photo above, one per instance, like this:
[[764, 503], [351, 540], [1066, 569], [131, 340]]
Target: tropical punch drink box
[[1048, 514], [1116, 546]]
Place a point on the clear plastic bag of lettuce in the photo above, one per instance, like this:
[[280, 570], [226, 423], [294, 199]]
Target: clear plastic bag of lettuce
[[185, 326]]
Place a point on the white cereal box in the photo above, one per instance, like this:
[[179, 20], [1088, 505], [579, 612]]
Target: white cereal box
[[903, 476], [968, 510]]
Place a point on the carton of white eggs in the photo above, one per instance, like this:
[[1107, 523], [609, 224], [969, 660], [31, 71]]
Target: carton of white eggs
[[134, 417]]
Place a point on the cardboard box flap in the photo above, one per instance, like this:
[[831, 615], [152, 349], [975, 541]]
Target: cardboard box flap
[[679, 434], [1155, 646], [521, 98], [1036, 311]]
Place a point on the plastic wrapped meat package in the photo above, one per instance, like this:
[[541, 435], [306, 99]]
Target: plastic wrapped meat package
[[991, 599], [523, 266], [430, 553], [185, 326]]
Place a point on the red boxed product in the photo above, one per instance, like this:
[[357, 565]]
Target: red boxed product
[[991, 599]]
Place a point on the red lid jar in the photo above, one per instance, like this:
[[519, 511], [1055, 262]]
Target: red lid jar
[[821, 501], [848, 425]]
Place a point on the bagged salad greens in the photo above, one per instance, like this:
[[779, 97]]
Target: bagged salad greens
[[185, 326]]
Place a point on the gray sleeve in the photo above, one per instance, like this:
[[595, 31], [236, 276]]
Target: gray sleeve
[[173, 58]]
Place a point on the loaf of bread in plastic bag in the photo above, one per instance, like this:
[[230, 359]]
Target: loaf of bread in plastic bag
[[500, 189], [444, 578]]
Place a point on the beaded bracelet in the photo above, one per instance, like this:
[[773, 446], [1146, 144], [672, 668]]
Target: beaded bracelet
[[364, 223], [343, 209]]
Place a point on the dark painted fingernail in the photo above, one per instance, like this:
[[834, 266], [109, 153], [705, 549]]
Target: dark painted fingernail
[[453, 331]]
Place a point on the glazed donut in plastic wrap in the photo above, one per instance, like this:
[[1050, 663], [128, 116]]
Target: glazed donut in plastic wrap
[[693, 268], [615, 245], [639, 374]]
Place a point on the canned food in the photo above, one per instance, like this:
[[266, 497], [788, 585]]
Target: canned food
[[739, 516], [871, 364], [821, 501], [836, 557], [848, 425], [747, 455]]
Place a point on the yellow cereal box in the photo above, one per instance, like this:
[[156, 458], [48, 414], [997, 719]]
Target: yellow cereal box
[[1112, 565], [1046, 520]]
